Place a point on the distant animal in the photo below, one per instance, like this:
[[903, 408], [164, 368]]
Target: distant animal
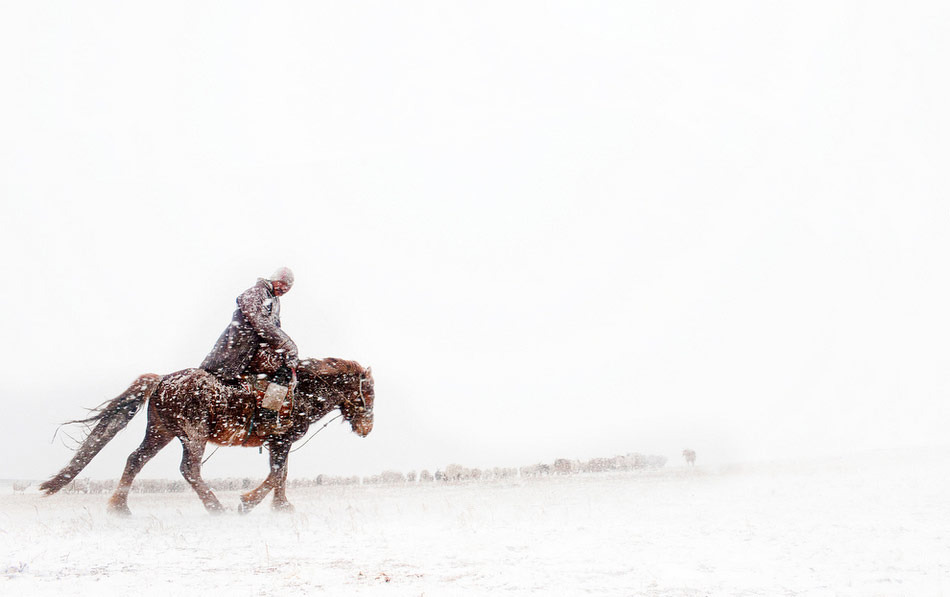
[[197, 408], [690, 456], [21, 486]]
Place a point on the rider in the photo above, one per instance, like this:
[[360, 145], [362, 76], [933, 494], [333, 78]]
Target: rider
[[254, 335]]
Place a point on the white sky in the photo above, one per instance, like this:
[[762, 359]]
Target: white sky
[[553, 229]]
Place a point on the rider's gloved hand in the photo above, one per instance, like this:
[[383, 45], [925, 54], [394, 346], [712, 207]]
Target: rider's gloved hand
[[292, 361], [289, 352]]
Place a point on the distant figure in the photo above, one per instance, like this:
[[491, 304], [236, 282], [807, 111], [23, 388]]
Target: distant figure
[[690, 456], [21, 486]]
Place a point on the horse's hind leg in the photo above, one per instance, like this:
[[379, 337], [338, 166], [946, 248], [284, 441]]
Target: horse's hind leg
[[192, 451], [156, 438]]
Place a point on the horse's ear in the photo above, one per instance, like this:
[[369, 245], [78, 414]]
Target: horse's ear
[[369, 372]]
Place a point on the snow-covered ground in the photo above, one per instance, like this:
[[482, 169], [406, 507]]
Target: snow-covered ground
[[878, 524]]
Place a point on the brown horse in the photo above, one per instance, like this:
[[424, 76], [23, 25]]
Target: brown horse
[[195, 407]]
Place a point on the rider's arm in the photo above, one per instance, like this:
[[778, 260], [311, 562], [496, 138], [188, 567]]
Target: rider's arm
[[251, 303]]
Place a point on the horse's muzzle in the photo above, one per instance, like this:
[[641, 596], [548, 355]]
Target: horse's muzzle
[[362, 425]]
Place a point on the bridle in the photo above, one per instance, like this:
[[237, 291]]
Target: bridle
[[348, 406], [356, 409]]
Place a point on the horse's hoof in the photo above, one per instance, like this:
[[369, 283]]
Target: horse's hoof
[[214, 509], [244, 507], [284, 507], [119, 510]]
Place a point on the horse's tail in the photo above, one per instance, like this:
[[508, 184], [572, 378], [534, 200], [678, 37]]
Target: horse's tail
[[110, 419]]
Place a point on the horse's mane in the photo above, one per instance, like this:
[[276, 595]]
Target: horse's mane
[[331, 367]]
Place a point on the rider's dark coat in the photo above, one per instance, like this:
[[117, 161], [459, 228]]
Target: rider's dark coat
[[255, 325]]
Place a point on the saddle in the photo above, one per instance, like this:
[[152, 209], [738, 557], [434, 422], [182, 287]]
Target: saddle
[[273, 387], [273, 405]]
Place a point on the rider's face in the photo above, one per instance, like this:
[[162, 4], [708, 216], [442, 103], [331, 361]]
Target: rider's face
[[280, 287]]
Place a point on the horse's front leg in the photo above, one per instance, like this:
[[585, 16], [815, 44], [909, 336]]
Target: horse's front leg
[[192, 451], [280, 491], [278, 470]]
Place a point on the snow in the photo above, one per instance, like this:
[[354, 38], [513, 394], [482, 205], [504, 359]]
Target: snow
[[877, 524]]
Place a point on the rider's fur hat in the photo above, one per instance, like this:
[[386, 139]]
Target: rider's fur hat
[[283, 274]]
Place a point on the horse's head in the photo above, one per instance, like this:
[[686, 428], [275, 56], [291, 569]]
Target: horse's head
[[335, 383], [357, 406]]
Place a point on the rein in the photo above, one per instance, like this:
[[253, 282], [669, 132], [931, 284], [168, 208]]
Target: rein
[[316, 432], [361, 408], [216, 448]]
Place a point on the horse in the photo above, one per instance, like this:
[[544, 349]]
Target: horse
[[197, 408], [690, 456]]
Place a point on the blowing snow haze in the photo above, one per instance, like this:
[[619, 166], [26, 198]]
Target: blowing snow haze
[[552, 231]]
